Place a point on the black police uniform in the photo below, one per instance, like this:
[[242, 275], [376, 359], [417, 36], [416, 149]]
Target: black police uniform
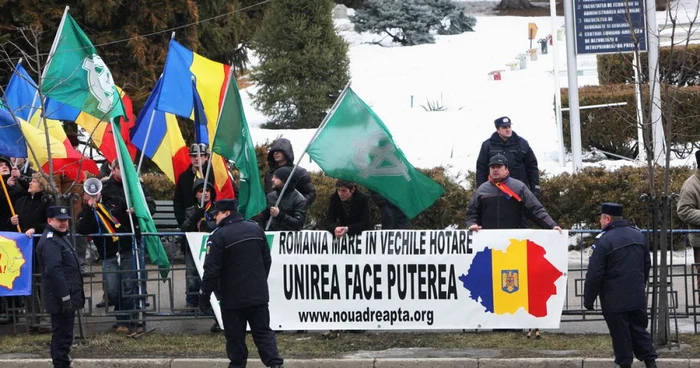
[[522, 162], [61, 287], [236, 268], [617, 271]]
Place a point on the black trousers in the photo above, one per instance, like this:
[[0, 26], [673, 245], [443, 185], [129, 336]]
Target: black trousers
[[258, 317], [61, 338], [629, 334]]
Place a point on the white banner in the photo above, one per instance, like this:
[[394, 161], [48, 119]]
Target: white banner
[[198, 246], [413, 279]]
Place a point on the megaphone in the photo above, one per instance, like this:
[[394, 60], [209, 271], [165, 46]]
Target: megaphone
[[92, 186]]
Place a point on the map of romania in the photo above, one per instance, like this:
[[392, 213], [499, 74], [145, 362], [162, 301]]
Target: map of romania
[[506, 281], [11, 260]]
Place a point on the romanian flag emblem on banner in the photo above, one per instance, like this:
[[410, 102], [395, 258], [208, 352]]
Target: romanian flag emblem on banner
[[518, 277], [178, 93], [15, 264]]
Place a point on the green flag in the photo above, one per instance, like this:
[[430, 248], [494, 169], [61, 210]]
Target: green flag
[[78, 77], [154, 247], [233, 141], [355, 145]]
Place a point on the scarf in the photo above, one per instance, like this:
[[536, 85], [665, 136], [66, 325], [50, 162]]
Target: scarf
[[109, 222], [503, 187]]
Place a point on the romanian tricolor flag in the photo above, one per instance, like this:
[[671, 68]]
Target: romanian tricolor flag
[[158, 136], [178, 96], [22, 97], [12, 142], [518, 278], [100, 132]]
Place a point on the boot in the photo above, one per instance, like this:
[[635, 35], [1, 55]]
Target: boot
[[650, 363], [625, 365]]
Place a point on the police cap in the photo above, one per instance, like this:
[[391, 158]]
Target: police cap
[[225, 205], [501, 122], [58, 212], [611, 209]]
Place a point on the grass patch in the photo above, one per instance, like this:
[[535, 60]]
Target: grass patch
[[312, 345]]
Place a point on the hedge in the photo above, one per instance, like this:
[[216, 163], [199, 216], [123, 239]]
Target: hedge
[[614, 129], [680, 66], [572, 200]]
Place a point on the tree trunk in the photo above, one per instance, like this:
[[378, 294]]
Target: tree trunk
[[514, 4]]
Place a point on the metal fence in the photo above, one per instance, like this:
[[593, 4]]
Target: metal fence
[[163, 298]]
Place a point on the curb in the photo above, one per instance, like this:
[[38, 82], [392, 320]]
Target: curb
[[353, 363]]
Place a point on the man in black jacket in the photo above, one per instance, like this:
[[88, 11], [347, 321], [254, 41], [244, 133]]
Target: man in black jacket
[[348, 210], [282, 154], [199, 156], [236, 268], [503, 201], [61, 283], [290, 214], [618, 271], [109, 216], [522, 162]]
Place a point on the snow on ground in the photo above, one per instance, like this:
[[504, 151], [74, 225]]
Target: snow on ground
[[398, 81], [454, 72]]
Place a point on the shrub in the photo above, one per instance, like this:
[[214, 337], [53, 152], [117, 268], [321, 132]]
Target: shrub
[[680, 66], [303, 63], [614, 129]]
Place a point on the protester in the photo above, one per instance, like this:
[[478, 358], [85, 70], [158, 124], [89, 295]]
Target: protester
[[281, 154], [236, 268], [618, 271], [392, 216], [348, 210], [688, 210], [521, 158], [502, 201], [61, 283], [21, 172], [113, 186], [290, 214], [108, 216], [199, 157], [5, 200]]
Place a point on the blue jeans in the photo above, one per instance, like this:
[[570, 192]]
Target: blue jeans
[[193, 281], [120, 286]]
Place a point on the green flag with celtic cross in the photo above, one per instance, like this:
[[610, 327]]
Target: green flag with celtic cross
[[77, 76], [355, 145]]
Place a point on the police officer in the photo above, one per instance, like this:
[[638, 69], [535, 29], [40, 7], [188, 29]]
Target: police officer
[[618, 271], [61, 283], [521, 158], [236, 268]]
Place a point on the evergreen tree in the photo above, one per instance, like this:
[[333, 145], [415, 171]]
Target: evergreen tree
[[135, 62], [303, 63], [227, 39], [411, 22]]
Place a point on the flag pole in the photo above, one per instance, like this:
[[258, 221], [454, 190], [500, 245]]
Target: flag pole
[[55, 43], [9, 202], [128, 208], [318, 131], [216, 131], [145, 142]]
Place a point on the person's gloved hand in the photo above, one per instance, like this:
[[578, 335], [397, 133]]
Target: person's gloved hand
[[205, 302], [66, 305], [588, 306]]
